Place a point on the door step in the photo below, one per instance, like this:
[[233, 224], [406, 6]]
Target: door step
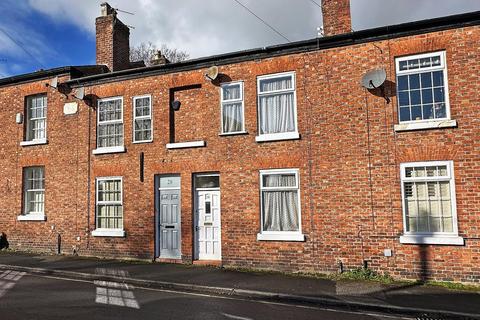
[[167, 260], [216, 263]]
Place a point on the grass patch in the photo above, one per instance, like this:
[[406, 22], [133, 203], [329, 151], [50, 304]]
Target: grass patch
[[454, 285], [364, 274]]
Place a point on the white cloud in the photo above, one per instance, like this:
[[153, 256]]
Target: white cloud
[[211, 26]]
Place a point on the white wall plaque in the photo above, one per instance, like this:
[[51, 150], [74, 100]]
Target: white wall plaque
[[70, 108]]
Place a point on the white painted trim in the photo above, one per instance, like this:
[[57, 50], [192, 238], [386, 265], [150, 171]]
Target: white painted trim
[[282, 135], [118, 149], [134, 99], [108, 233], [222, 102], [33, 142], [442, 67], [443, 62], [26, 120], [450, 177], [197, 218], [31, 217], [100, 150], [419, 239], [278, 136], [280, 236], [422, 125], [190, 144]]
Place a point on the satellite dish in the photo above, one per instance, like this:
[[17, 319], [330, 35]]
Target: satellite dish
[[176, 105], [80, 93], [53, 83], [212, 73], [374, 78]]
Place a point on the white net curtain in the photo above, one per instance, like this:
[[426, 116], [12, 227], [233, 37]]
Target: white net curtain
[[277, 108], [280, 203]]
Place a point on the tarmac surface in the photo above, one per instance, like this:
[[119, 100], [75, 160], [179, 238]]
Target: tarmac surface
[[408, 300]]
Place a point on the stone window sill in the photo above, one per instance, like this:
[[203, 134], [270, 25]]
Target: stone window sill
[[33, 142], [108, 233], [277, 136], [424, 239], [109, 150], [281, 236], [32, 217], [425, 125], [182, 145]]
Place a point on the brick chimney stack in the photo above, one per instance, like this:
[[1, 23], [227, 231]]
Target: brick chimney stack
[[113, 40], [336, 17]]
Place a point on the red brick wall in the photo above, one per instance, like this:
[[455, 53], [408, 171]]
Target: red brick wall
[[336, 17], [112, 43], [348, 155]]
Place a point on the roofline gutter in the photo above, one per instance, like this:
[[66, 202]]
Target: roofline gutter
[[38, 75], [341, 40]]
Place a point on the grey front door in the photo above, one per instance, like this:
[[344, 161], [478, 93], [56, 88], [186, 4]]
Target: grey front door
[[169, 223]]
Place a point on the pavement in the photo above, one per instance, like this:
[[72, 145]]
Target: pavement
[[409, 300]]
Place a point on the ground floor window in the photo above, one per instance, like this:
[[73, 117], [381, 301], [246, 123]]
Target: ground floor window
[[280, 205], [428, 192], [109, 206], [34, 191]]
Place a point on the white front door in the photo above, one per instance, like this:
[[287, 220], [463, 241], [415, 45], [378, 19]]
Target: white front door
[[207, 225]]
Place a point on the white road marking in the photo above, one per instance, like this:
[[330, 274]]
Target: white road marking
[[8, 280], [231, 316]]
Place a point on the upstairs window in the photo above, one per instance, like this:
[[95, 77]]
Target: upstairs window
[[36, 119], [110, 125], [142, 119], [277, 108], [33, 192], [422, 89], [233, 120]]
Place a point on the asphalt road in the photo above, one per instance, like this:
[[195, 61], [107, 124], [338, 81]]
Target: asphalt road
[[24, 296]]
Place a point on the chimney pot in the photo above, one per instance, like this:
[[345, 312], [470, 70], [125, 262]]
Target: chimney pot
[[159, 59], [107, 10]]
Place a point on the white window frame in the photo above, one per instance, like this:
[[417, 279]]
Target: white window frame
[[32, 142], [282, 135], [447, 238], [103, 150], [222, 102], [426, 123], [32, 216], [150, 117], [108, 232], [281, 235]]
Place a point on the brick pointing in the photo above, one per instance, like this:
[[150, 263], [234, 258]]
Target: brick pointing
[[336, 17], [112, 43], [348, 156]]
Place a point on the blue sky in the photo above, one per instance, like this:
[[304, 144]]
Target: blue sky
[[62, 32]]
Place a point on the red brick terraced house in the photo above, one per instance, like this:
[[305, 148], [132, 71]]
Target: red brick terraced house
[[282, 161]]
